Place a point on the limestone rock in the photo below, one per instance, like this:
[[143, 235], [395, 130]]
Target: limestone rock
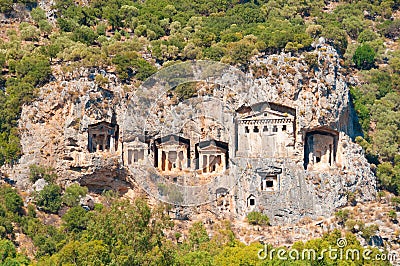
[[301, 177], [39, 184]]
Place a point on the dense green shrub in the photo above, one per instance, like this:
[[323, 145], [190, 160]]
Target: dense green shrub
[[49, 199], [186, 90], [130, 65], [75, 220], [9, 255], [369, 231], [364, 57], [72, 195], [257, 218], [10, 199]]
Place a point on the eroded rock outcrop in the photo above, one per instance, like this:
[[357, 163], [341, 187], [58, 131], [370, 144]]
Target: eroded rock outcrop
[[282, 144]]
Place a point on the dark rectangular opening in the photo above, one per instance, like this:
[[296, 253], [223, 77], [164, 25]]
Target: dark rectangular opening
[[252, 202]]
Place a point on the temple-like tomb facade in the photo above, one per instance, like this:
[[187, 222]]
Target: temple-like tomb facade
[[320, 148], [270, 178], [266, 133], [172, 153], [103, 136], [135, 151], [212, 156]]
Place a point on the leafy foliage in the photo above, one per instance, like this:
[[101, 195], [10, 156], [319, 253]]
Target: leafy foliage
[[257, 218], [135, 36], [131, 233], [364, 57], [10, 199], [49, 199], [9, 255], [129, 64], [342, 216], [72, 195], [75, 220]]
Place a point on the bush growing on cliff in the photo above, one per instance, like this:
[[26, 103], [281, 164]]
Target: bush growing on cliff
[[369, 231], [37, 172], [257, 218], [342, 216], [9, 255]]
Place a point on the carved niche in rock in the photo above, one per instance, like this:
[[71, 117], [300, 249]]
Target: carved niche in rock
[[320, 148], [270, 178], [135, 151], [212, 156], [266, 130], [172, 153], [103, 136]]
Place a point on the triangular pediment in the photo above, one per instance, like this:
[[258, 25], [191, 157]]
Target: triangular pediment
[[136, 143], [172, 140], [213, 145], [212, 148], [102, 126], [267, 114], [268, 170]]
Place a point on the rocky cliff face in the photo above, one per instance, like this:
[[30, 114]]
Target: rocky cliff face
[[54, 132]]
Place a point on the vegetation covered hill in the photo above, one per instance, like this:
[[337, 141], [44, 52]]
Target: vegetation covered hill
[[120, 232], [134, 39]]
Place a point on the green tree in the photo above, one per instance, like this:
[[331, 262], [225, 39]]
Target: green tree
[[336, 37], [34, 69], [6, 6], [196, 258], [49, 199], [45, 26], [83, 253], [11, 200], [85, 35], [38, 14], [197, 236], [239, 255], [129, 64], [7, 250], [364, 57], [29, 32], [72, 195], [367, 35], [132, 231], [75, 220]]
